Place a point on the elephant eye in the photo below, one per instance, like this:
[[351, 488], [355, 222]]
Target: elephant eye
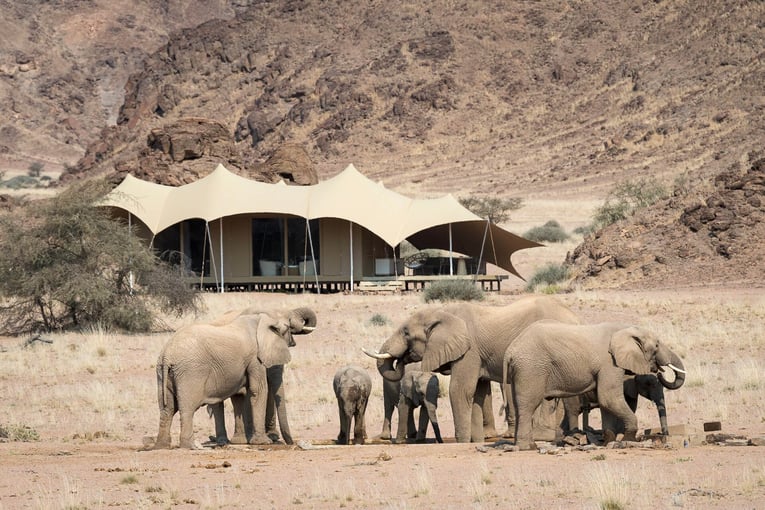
[[405, 331]]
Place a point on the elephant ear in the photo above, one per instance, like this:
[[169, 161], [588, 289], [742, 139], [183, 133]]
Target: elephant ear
[[626, 348], [273, 338], [447, 340]]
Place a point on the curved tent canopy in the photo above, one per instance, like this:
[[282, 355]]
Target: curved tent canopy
[[427, 223]]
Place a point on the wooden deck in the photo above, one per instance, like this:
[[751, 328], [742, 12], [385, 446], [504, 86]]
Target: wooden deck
[[330, 284]]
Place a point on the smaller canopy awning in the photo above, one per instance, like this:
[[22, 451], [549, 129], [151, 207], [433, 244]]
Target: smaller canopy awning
[[349, 196]]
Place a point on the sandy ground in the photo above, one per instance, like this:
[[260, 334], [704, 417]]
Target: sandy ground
[[91, 400]]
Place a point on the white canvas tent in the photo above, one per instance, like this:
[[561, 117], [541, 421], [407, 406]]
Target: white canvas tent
[[427, 223]]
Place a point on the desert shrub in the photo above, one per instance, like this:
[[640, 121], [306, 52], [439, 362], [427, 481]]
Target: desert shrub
[[453, 290], [65, 263], [549, 275], [550, 232], [585, 230], [21, 182], [21, 433], [35, 169], [626, 198], [379, 320], [495, 209]]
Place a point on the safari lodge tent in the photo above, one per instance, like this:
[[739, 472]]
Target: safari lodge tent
[[230, 232]]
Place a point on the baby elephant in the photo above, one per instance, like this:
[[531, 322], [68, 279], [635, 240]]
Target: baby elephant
[[418, 389], [352, 387]]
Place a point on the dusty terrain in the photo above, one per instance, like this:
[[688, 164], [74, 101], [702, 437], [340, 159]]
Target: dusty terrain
[[91, 399]]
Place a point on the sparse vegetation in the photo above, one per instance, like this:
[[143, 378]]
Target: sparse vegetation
[[550, 232], [21, 433], [549, 275], [453, 290], [626, 198], [379, 320], [65, 263], [495, 209]]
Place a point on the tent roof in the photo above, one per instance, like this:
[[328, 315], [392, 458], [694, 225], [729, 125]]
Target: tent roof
[[349, 196]]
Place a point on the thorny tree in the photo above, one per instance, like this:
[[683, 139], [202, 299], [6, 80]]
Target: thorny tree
[[65, 263]]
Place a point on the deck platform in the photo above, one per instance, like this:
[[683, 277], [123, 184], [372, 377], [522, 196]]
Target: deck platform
[[331, 284]]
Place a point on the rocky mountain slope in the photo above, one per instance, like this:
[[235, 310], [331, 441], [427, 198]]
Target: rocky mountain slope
[[510, 98]]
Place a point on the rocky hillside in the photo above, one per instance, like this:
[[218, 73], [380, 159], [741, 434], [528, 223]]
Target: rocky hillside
[[514, 98]]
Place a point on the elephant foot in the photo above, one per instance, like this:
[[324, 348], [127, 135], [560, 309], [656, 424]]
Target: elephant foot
[[489, 432], [630, 436], [273, 436], [161, 445], [526, 445], [385, 434], [260, 440], [241, 439]]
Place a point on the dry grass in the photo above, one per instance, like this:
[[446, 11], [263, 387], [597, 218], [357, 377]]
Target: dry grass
[[97, 391]]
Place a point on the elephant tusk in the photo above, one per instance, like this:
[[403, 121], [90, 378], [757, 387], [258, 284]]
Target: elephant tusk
[[308, 329], [377, 355], [673, 367]]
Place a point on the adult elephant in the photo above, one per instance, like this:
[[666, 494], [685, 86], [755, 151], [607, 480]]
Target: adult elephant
[[301, 321], [207, 363], [551, 359], [468, 342]]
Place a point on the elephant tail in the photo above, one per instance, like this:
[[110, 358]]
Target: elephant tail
[[506, 372], [163, 375]]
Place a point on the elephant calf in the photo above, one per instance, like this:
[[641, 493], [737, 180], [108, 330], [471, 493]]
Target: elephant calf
[[352, 386], [418, 389]]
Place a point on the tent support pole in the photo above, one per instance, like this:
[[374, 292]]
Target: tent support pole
[[208, 238], [220, 242], [451, 254], [313, 257], [483, 243], [350, 232]]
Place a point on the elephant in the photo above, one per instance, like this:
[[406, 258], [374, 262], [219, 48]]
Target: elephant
[[391, 395], [650, 386], [468, 342], [551, 359], [302, 321], [208, 363], [418, 389], [352, 386]]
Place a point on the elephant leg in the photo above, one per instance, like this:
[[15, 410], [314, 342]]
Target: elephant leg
[[358, 423], [187, 427], [482, 403], [277, 400], [617, 406], [462, 388], [526, 401], [422, 428], [405, 414], [345, 423], [242, 419], [573, 408], [258, 397], [165, 421], [509, 410], [271, 416], [221, 437], [391, 391]]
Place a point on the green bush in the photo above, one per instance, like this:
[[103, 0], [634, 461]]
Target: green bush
[[66, 264], [21, 182], [626, 198], [550, 232], [494, 209], [379, 320], [548, 275], [453, 290]]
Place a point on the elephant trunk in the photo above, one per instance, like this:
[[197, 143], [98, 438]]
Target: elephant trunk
[[302, 321], [392, 369], [677, 367]]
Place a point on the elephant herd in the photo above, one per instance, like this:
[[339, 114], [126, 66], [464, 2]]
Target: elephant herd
[[535, 348]]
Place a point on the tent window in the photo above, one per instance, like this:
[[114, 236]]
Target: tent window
[[280, 246], [267, 246], [183, 245]]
